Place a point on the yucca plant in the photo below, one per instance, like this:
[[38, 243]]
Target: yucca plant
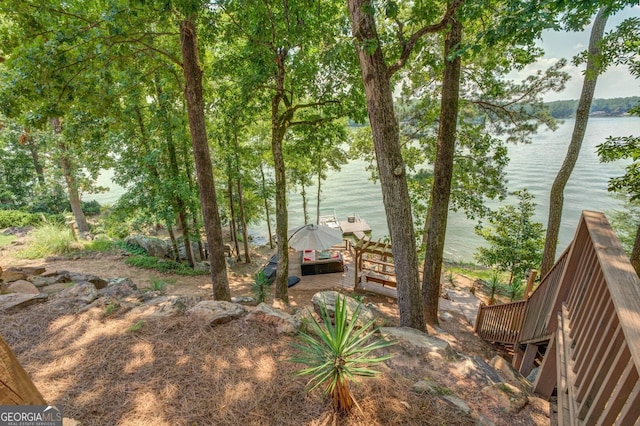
[[260, 287], [335, 353], [494, 284]]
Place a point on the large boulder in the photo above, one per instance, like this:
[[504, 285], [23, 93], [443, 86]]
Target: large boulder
[[327, 299], [98, 282], [83, 292], [154, 246], [214, 312], [119, 288], [281, 321], [416, 339], [22, 286], [11, 276], [165, 306], [19, 300], [510, 398]]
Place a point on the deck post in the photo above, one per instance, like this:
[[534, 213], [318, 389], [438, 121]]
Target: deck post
[[16, 387], [547, 374], [530, 281], [528, 358]]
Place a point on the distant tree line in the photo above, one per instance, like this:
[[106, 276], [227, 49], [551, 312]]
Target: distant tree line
[[606, 107]]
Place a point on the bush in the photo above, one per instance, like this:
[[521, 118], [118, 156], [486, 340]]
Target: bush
[[49, 239], [18, 218], [150, 262], [336, 354], [260, 287], [91, 208]]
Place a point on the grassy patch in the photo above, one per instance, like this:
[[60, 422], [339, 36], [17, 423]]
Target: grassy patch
[[5, 240], [135, 327], [473, 271], [162, 265], [49, 239], [101, 245]]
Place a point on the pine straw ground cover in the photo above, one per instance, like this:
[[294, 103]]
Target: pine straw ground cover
[[103, 371]]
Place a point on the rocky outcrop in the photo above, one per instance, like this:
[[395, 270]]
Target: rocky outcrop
[[418, 340], [327, 299], [510, 398], [19, 300], [22, 286], [153, 246], [119, 288], [281, 321], [213, 312]]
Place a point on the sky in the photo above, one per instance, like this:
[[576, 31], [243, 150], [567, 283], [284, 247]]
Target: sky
[[616, 82]]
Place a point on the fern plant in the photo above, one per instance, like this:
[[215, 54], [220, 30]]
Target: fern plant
[[335, 353]]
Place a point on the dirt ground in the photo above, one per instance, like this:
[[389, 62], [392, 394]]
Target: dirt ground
[[172, 372]]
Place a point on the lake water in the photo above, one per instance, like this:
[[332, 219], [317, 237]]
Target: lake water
[[533, 166]]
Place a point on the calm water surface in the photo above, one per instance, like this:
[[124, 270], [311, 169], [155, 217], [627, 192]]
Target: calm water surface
[[533, 166]]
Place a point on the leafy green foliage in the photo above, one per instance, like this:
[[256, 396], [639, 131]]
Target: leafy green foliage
[[162, 265], [49, 239], [158, 285], [515, 242], [625, 224], [494, 285], [19, 218], [336, 353], [622, 148]]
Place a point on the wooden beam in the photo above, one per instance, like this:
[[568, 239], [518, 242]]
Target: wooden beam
[[16, 388]]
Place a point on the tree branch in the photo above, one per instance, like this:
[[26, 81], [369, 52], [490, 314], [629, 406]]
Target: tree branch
[[408, 45]]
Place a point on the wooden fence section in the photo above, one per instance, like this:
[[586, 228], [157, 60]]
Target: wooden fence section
[[596, 363], [495, 323], [540, 303], [16, 388], [501, 323]]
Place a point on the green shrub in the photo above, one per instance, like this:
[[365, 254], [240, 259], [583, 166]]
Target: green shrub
[[101, 245], [158, 285], [49, 239], [162, 265], [336, 352], [91, 208], [18, 218]]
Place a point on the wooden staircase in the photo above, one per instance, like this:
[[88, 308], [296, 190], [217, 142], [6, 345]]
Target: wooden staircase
[[586, 313]]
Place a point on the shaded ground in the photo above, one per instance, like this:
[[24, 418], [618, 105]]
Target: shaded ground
[[173, 372]]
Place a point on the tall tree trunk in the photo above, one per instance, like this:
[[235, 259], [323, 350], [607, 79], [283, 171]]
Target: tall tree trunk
[[318, 198], [35, 157], [556, 197], [266, 205], [204, 168], [70, 179], [442, 176], [635, 253], [305, 204], [243, 218], [174, 242], [391, 167], [278, 130], [232, 213], [178, 201]]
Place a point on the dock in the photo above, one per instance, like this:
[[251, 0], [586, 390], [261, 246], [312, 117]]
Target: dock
[[354, 226]]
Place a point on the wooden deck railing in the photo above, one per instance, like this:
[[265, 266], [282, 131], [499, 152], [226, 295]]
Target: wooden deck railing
[[540, 304], [595, 354], [501, 323]]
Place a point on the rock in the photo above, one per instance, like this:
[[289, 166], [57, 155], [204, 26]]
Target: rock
[[54, 288], [19, 300], [477, 370], [28, 270], [214, 312], [98, 282], [509, 397], [304, 317], [457, 403], [531, 378], [417, 339], [154, 246], [245, 300], [505, 369], [119, 288], [22, 286], [328, 300], [11, 276], [54, 274], [18, 231], [428, 387], [446, 316], [167, 306], [83, 291], [281, 321]]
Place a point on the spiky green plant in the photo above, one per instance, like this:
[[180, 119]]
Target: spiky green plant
[[494, 284], [158, 285], [260, 287], [336, 352]]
